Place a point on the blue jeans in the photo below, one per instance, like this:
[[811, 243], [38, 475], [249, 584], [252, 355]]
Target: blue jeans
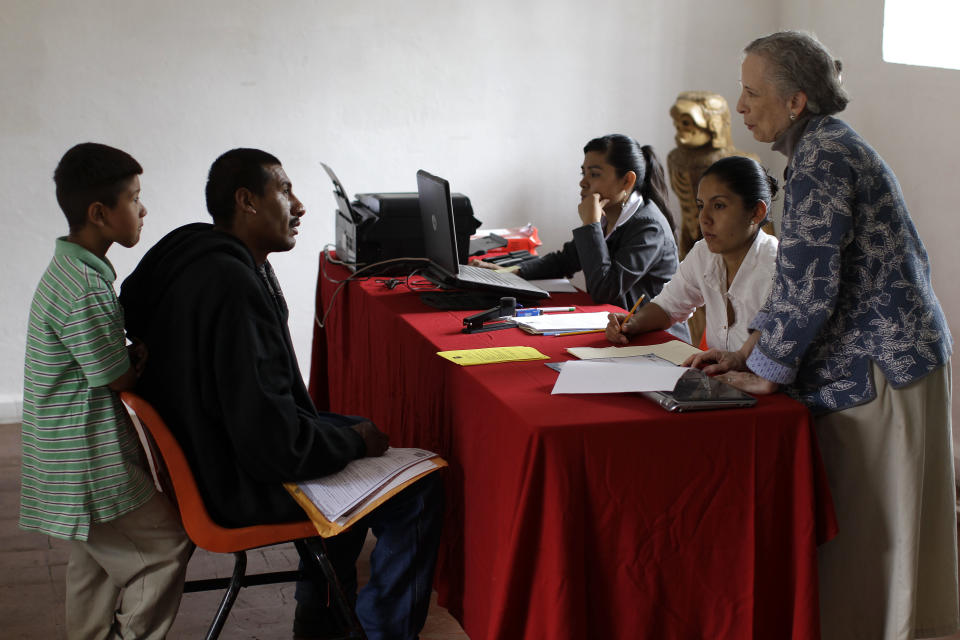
[[394, 603]]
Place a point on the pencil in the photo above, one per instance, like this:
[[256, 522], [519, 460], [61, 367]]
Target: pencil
[[636, 305], [574, 333]]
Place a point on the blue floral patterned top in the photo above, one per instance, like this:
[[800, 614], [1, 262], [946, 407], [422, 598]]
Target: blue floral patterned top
[[853, 279]]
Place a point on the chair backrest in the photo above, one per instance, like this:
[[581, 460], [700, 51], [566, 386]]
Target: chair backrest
[[201, 529]]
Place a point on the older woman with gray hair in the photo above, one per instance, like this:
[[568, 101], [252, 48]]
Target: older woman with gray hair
[[853, 329]]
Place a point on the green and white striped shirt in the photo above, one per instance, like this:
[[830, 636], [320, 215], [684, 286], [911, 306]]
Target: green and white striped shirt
[[82, 460]]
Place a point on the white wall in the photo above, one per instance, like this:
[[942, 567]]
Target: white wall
[[499, 97]]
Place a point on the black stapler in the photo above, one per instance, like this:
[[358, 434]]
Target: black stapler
[[479, 322]]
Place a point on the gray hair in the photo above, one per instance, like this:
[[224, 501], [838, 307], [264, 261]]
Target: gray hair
[[801, 63]]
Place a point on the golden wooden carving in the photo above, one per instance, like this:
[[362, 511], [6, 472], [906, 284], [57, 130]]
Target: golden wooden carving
[[702, 121]]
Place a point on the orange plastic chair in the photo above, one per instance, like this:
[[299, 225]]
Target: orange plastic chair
[[167, 456]]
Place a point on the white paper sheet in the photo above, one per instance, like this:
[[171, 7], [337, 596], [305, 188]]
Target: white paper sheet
[[564, 322], [588, 376]]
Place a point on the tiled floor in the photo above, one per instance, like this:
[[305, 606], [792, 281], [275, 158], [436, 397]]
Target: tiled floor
[[32, 568]]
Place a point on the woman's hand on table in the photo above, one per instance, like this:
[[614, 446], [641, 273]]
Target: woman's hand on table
[[717, 361], [615, 330], [731, 367], [483, 264], [749, 382], [591, 208]]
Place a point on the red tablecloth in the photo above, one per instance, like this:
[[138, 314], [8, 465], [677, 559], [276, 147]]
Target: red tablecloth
[[584, 516]]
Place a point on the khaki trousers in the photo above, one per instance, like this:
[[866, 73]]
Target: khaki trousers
[[891, 571], [126, 580]]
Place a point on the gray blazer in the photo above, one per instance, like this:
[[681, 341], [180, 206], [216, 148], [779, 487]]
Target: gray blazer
[[638, 258]]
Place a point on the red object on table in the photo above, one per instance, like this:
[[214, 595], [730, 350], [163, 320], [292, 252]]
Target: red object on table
[[518, 239], [585, 516]]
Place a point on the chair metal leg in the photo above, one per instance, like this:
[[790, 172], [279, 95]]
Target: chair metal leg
[[347, 612], [239, 568]]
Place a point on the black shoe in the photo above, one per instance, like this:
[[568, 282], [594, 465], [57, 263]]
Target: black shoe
[[316, 623]]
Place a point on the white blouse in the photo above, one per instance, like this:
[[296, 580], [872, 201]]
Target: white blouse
[[701, 279]]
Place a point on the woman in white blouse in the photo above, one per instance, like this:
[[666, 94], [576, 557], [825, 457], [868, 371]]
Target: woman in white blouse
[[730, 270]]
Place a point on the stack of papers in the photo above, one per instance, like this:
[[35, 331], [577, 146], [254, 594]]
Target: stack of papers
[[336, 501], [676, 351], [624, 369], [621, 375], [553, 324]]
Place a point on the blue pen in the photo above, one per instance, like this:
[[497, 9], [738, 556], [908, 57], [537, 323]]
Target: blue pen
[[542, 310]]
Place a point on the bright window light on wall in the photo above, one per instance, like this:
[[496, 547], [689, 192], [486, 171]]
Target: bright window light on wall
[[922, 32]]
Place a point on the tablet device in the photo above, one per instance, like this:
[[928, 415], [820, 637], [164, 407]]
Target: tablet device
[[696, 391]]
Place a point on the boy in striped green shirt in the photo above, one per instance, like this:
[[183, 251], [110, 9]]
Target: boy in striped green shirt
[[84, 477]]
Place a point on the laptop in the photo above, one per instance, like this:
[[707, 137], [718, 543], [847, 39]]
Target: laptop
[[696, 391], [439, 239]]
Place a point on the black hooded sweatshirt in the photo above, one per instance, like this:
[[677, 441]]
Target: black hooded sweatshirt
[[222, 372]]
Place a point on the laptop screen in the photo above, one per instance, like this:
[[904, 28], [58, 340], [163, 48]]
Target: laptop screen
[[436, 215]]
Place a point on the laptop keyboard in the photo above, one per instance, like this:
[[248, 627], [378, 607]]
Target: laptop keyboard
[[480, 275], [489, 276]]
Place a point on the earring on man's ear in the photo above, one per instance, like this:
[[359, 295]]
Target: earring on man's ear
[[793, 116]]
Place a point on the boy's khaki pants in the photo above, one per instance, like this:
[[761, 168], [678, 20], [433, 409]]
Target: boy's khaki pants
[[126, 580]]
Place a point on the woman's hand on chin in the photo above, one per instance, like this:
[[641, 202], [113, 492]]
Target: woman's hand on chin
[[591, 208]]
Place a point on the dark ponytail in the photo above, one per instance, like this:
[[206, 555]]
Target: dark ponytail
[[655, 185], [625, 154]]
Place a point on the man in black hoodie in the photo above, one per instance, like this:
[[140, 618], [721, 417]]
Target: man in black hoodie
[[223, 374]]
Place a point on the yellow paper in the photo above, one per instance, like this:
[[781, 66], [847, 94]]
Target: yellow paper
[[467, 357]]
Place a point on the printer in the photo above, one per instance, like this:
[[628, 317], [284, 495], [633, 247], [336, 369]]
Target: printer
[[381, 226]]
